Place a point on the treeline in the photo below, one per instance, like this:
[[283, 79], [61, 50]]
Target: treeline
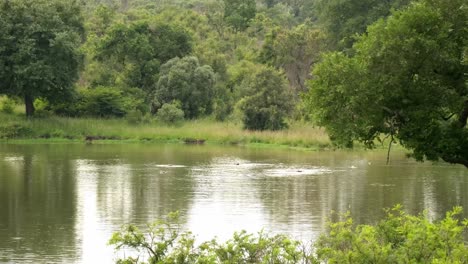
[[208, 57], [359, 68]]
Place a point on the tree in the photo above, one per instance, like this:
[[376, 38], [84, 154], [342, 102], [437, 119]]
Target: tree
[[267, 100], [406, 80], [188, 82], [294, 51], [39, 49], [131, 54], [239, 13], [344, 19]]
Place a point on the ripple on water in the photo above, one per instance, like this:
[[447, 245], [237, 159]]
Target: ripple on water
[[13, 159], [170, 166], [296, 171]]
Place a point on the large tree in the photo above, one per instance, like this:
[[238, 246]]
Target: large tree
[[39, 48], [294, 51], [267, 101], [186, 81], [407, 80], [343, 19], [130, 55]]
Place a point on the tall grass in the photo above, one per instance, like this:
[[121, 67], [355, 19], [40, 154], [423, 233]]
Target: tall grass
[[298, 135]]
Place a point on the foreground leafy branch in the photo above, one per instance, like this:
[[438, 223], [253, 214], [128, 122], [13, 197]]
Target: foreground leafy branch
[[399, 238]]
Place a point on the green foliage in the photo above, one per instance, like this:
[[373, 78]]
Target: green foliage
[[170, 113], [101, 102], [164, 242], [134, 116], [39, 48], [399, 238], [42, 108], [344, 19], [406, 80], [267, 102], [7, 106], [239, 13], [294, 51], [130, 54], [14, 130], [188, 82], [222, 109]]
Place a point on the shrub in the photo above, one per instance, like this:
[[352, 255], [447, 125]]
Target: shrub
[[7, 106], [399, 238], [164, 242], [42, 108], [14, 130], [170, 113], [102, 102]]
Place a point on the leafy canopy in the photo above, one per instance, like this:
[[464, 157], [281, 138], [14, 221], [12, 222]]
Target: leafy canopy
[[343, 19], [190, 83], [267, 100], [133, 53], [239, 13], [39, 48], [406, 80]]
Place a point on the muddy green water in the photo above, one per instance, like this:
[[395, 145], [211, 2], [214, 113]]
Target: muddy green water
[[60, 203]]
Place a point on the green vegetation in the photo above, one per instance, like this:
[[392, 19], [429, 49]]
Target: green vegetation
[[170, 113], [39, 49], [399, 238], [361, 69], [343, 20], [186, 81], [239, 13], [267, 101], [406, 80], [147, 129]]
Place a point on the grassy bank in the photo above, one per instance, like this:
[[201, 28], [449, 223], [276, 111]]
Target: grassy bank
[[16, 127]]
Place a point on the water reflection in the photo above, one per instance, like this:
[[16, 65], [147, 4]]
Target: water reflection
[[37, 216], [60, 203]]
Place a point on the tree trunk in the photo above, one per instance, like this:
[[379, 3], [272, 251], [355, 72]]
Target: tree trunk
[[462, 119], [29, 102]]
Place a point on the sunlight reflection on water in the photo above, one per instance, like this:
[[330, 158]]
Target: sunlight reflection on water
[[63, 205]]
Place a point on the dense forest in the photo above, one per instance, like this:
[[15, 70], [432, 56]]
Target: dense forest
[[364, 70]]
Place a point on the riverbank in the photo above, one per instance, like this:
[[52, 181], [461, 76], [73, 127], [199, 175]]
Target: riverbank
[[16, 128]]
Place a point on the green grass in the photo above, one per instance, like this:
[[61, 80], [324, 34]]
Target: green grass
[[17, 127]]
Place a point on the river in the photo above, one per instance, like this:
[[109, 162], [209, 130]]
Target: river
[[60, 203]]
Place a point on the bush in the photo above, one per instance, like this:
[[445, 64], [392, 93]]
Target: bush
[[268, 101], [399, 238], [7, 106], [164, 242], [170, 113], [42, 108], [134, 117], [14, 130], [102, 102]]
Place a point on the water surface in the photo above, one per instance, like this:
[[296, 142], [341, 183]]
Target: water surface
[[61, 202]]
